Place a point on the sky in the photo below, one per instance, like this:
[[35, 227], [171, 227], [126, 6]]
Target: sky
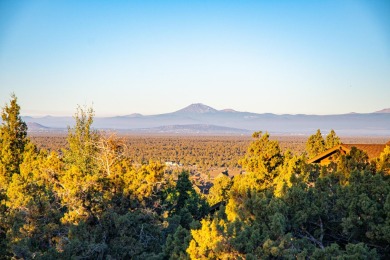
[[151, 57]]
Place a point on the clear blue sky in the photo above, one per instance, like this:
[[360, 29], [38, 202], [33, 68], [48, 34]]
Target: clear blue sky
[[317, 57]]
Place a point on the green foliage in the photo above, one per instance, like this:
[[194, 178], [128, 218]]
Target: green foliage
[[32, 205], [267, 169], [13, 142], [355, 161], [352, 251], [263, 155], [13, 139], [288, 172], [383, 162], [82, 140], [341, 213], [318, 220], [176, 245], [82, 182], [208, 242], [220, 190], [143, 184], [92, 202], [186, 202], [332, 140], [134, 235], [315, 144]]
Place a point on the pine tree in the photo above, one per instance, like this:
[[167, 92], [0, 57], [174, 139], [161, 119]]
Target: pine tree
[[383, 162], [263, 155], [315, 144], [332, 140], [13, 139]]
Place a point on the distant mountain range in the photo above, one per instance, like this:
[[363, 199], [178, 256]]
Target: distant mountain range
[[201, 119]]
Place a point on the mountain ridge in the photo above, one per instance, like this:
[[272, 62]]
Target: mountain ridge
[[385, 110], [198, 108], [198, 114]]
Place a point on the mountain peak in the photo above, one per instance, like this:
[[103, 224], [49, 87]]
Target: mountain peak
[[32, 126], [197, 108], [386, 110], [229, 110], [134, 115]]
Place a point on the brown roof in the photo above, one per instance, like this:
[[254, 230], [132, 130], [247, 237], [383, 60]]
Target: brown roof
[[324, 154], [372, 150]]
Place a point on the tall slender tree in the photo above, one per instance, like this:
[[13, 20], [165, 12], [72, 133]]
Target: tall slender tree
[[13, 139], [315, 144], [332, 140], [81, 188]]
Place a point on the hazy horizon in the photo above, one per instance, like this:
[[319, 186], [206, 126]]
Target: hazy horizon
[[165, 112], [124, 57]]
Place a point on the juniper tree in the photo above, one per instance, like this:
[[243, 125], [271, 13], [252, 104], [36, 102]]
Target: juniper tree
[[13, 139], [332, 140], [315, 144]]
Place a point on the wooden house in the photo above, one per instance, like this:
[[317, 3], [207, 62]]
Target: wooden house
[[373, 151]]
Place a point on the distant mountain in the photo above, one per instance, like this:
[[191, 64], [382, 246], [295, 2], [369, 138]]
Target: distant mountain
[[197, 108], [386, 110], [195, 129], [32, 126], [201, 118], [134, 115], [228, 110]]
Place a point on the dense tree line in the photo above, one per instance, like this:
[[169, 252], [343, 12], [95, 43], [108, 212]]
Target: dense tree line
[[91, 201]]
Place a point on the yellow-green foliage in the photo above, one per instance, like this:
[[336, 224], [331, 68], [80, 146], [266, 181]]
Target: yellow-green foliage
[[263, 155], [220, 190], [13, 139], [266, 168], [383, 162], [91, 202], [316, 144], [287, 171], [208, 242], [332, 140], [141, 182]]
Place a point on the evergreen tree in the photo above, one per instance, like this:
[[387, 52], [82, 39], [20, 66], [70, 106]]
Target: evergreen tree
[[332, 140], [13, 139], [383, 162], [81, 188], [176, 245], [33, 212], [263, 155], [315, 144], [220, 190], [187, 204]]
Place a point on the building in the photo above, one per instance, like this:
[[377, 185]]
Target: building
[[373, 151]]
